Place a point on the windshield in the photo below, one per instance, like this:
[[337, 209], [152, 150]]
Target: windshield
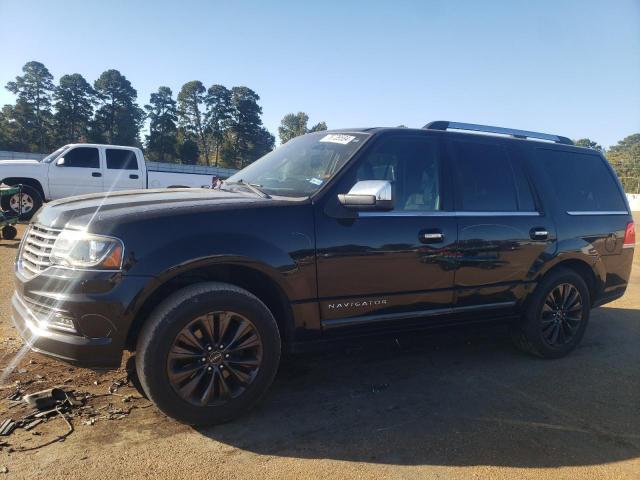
[[52, 156], [302, 165]]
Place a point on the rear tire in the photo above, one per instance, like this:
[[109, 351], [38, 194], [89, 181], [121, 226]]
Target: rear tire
[[556, 316], [208, 353]]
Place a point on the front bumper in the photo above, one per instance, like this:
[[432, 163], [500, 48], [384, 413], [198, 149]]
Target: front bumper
[[79, 350], [101, 306]]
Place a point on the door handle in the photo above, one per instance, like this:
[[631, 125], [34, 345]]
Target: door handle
[[431, 236], [539, 233], [133, 177], [96, 174]]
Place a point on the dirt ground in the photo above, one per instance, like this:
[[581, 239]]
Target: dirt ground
[[463, 405]]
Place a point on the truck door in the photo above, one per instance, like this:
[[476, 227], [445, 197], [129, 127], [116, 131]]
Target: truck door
[[502, 231], [123, 170], [76, 173], [386, 267]]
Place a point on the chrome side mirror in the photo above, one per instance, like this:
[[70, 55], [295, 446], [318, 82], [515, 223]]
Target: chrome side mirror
[[60, 162], [368, 195]]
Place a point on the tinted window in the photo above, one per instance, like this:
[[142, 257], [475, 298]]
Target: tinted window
[[118, 159], [484, 178], [412, 165], [82, 157], [582, 182]]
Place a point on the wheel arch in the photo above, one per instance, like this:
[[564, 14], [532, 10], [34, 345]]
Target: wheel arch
[[255, 280], [592, 273], [32, 182]]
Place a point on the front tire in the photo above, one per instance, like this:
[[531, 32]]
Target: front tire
[[208, 353], [556, 316], [31, 202]]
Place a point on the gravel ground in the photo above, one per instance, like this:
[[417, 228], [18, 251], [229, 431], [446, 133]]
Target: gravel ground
[[463, 405]]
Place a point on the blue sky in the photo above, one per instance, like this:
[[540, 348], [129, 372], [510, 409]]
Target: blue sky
[[565, 67]]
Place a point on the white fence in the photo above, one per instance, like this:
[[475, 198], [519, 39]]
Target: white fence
[[5, 155], [634, 201]]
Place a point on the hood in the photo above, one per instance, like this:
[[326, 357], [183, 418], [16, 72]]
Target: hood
[[100, 212], [19, 162]]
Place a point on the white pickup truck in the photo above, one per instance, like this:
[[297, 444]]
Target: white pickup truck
[[77, 169]]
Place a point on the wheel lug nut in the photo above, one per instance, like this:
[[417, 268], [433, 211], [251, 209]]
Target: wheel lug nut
[[209, 349], [221, 366], [203, 359], [209, 368], [221, 346], [226, 356]]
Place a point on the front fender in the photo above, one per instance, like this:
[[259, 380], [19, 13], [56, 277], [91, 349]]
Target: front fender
[[292, 268]]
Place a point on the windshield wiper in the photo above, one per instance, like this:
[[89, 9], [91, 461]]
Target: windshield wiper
[[251, 186]]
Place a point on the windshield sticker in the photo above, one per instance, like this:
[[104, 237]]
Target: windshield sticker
[[315, 181], [337, 138]]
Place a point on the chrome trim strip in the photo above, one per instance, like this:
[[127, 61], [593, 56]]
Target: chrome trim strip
[[417, 213], [350, 321], [603, 212]]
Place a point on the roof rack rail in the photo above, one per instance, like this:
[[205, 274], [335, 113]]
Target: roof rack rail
[[445, 125]]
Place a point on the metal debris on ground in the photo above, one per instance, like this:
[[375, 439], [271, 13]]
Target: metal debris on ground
[[16, 395], [7, 427]]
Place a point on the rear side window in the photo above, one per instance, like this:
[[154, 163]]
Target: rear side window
[[82, 157], [487, 181], [118, 159], [582, 182]]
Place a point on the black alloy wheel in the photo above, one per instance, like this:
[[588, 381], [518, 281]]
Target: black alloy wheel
[[561, 314], [214, 358]]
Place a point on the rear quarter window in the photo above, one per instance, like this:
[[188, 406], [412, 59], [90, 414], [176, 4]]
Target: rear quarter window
[[582, 182]]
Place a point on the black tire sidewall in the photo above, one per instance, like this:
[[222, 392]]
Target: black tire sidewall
[[532, 327], [163, 326]]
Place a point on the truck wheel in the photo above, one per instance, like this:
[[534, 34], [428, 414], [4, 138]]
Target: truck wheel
[[208, 353], [31, 202], [556, 317]]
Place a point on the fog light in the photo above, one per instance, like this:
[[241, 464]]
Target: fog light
[[60, 321]]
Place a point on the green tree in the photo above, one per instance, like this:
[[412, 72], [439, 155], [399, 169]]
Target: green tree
[[33, 106], [625, 159], [218, 115], [295, 124], [74, 99], [191, 114], [118, 119], [246, 139], [588, 143], [162, 114], [188, 151], [14, 128], [318, 127]]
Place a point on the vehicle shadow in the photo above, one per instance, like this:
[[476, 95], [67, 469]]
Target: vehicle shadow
[[466, 398], [10, 244]]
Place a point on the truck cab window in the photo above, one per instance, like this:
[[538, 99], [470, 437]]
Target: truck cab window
[[119, 159], [82, 157]]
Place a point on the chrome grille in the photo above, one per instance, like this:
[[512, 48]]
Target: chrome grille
[[36, 250]]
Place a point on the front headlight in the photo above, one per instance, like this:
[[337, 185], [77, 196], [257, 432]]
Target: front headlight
[[77, 249]]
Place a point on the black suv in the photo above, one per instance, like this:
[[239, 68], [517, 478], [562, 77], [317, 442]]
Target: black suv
[[334, 234]]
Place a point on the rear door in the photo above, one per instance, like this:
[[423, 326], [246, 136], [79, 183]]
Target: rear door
[[123, 170], [79, 173], [502, 230]]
